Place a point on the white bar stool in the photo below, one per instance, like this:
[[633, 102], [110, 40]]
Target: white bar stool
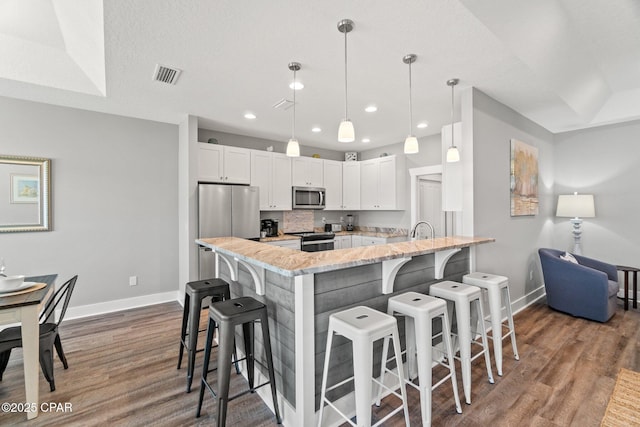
[[419, 311], [497, 288], [463, 296], [363, 326]]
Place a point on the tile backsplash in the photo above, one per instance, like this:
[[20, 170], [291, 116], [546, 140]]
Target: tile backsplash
[[297, 221]]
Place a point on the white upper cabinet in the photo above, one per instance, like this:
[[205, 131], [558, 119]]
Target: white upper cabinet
[[350, 186], [333, 184], [382, 183], [307, 172], [271, 172], [221, 163]]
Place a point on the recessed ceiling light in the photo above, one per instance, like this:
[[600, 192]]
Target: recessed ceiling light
[[366, 140], [296, 85], [249, 116], [422, 125], [316, 129], [371, 109]]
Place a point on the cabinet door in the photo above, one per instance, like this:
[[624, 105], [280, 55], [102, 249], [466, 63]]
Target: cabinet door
[[369, 171], [306, 172], [333, 184], [356, 241], [237, 165], [299, 176], [210, 163], [316, 175], [345, 242], [350, 185], [281, 182], [261, 171], [387, 183]]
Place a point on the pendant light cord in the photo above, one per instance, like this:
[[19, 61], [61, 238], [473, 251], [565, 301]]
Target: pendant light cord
[[346, 116], [293, 125], [452, 115], [410, 104]]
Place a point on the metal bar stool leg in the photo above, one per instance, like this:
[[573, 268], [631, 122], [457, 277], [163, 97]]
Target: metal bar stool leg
[[205, 366], [225, 347], [512, 329], [248, 336], [183, 330], [194, 325], [268, 354]]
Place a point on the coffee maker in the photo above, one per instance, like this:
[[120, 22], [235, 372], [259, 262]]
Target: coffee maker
[[350, 225], [270, 227]]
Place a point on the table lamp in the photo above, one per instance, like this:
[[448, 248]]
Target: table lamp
[[576, 206]]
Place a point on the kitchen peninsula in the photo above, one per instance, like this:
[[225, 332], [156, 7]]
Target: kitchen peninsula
[[301, 290]]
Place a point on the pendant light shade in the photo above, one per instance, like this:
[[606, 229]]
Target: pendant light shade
[[453, 155], [293, 148], [346, 133], [411, 143]]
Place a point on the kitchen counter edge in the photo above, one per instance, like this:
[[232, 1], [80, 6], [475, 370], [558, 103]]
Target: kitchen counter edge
[[290, 262]]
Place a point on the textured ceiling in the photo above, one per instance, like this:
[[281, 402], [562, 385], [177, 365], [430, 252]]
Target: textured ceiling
[[564, 64]]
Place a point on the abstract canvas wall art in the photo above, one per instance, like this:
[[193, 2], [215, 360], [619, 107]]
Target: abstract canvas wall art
[[524, 179]]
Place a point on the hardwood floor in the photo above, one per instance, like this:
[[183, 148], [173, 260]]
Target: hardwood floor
[[122, 372]]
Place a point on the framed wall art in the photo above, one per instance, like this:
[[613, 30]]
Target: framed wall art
[[524, 179], [25, 188]]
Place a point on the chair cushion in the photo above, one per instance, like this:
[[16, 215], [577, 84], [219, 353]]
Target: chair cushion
[[614, 287], [568, 257]]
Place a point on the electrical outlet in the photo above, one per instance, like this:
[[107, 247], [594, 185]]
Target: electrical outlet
[[324, 220], [133, 281]]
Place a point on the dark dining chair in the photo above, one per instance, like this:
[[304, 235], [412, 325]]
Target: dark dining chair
[[11, 338]]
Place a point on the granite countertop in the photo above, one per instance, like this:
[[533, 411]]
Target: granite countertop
[[383, 234], [291, 262], [279, 238]]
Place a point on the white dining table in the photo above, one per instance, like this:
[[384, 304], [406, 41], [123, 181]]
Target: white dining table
[[25, 309]]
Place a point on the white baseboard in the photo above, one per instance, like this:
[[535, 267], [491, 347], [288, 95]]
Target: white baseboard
[[121, 304]]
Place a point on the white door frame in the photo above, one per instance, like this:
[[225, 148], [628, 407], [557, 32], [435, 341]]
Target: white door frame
[[415, 174]]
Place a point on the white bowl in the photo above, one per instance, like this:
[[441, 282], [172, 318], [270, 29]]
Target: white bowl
[[10, 282]]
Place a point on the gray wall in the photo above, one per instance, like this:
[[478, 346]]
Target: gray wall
[[602, 161], [514, 253], [114, 200]]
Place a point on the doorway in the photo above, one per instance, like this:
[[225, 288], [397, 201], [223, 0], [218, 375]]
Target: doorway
[[430, 204]]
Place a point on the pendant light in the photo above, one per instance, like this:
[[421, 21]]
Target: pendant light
[[293, 148], [411, 143], [453, 155], [346, 132]]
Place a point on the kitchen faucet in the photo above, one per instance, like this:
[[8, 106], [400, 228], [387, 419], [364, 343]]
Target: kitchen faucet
[[413, 233]]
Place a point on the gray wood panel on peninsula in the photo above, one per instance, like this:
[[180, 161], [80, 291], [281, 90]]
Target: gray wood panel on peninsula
[[301, 290]]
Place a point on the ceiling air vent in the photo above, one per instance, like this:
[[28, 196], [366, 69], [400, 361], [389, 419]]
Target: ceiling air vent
[[166, 74], [283, 104]]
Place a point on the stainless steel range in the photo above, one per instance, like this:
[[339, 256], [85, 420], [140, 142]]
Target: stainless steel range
[[316, 242]]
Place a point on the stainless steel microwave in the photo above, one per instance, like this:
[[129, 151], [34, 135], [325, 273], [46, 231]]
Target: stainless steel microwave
[[308, 198]]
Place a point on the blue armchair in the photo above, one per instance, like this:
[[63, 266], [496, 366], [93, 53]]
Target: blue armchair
[[588, 289]]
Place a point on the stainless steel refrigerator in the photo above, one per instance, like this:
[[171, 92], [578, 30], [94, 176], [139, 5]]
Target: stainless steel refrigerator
[[226, 210]]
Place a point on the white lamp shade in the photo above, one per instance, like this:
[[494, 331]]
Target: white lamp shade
[[293, 148], [453, 155], [346, 133], [576, 206], [411, 145]]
